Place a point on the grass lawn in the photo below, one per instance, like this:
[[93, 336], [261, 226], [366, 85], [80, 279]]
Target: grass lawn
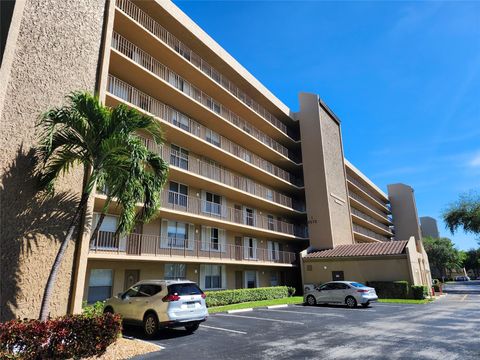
[[254, 304], [405, 301]]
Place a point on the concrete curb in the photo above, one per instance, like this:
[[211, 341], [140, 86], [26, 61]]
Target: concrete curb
[[277, 306], [239, 311]]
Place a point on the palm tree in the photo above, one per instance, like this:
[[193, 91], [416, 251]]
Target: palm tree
[[105, 143]]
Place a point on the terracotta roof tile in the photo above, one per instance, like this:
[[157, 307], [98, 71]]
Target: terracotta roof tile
[[365, 249]]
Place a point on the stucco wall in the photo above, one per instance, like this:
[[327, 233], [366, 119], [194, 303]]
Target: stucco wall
[[156, 270], [56, 52], [361, 270]]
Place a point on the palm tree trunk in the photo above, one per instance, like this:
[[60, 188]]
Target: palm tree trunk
[[97, 227], [45, 309]]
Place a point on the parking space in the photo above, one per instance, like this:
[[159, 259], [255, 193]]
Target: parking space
[[445, 329]]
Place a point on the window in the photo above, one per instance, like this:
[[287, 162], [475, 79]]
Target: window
[[213, 105], [213, 203], [179, 157], [273, 250], [181, 121], [149, 289], [250, 248], [269, 194], [134, 291], [213, 137], [177, 234], [249, 218], [175, 271], [213, 276], [100, 285], [271, 222], [184, 289], [273, 278], [214, 241], [178, 194]]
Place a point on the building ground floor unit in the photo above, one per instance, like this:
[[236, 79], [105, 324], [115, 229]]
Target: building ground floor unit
[[106, 278], [404, 260]]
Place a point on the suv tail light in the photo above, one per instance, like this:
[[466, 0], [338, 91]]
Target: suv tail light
[[363, 291], [171, 297], [204, 295]]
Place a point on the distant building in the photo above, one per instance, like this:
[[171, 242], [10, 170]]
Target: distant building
[[428, 226]]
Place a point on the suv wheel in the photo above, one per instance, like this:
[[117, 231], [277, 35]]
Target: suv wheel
[[351, 302], [192, 327], [150, 325], [311, 300]]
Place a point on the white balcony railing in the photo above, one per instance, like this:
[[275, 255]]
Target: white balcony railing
[[156, 108], [216, 172], [148, 62], [166, 37], [151, 245], [197, 206]]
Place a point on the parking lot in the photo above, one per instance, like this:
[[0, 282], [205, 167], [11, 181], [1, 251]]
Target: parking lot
[[446, 329]]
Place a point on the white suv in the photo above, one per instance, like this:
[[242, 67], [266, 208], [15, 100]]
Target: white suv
[[156, 304], [341, 292]]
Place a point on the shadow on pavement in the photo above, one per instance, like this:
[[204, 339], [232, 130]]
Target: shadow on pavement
[[163, 334]]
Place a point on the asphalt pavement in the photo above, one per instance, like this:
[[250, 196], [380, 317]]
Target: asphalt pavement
[[446, 329]]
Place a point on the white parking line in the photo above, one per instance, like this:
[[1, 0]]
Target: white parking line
[[463, 299], [259, 318], [305, 312], [222, 329]]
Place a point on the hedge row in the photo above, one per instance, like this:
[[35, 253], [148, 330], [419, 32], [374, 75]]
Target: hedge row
[[390, 289], [75, 336], [227, 297], [399, 290]]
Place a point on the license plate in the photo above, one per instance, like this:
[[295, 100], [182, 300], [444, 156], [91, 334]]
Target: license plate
[[191, 305]]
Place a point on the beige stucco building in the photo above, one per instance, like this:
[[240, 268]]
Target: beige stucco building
[[252, 183]]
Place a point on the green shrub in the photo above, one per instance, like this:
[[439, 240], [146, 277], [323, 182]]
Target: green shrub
[[419, 292], [390, 289], [227, 297], [74, 336], [291, 291], [92, 310]]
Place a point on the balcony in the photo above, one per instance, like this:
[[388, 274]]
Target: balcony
[[367, 206], [149, 63], [110, 243], [368, 235], [367, 190], [371, 220], [156, 108], [176, 45], [220, 174], [197, 206]]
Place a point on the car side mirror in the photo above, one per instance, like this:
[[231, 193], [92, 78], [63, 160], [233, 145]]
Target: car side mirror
[[119, 295]]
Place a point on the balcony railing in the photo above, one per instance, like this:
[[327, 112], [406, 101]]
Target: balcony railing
[[153, 245], [197, 206], [148, 62], [367, 190], [370, 219], [367, 204], [360, 229], [216, 172], [166, 37], [130, 94]]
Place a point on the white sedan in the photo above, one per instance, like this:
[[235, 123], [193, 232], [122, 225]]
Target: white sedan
[[349, 293]]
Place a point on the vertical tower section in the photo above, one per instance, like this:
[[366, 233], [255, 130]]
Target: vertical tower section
[[404, 212], [428, 226], [328, 212]]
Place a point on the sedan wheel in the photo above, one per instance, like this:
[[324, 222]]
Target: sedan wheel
[[351, 302], [150, 325], [311, 300]]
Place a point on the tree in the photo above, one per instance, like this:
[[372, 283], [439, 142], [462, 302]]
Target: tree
[[105, 143], [442, 255], [465, 213], [472, 261]]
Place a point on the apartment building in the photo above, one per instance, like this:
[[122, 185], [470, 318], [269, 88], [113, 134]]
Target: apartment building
[[252, 183]]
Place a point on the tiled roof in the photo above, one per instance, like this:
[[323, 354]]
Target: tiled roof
[[366, 249]]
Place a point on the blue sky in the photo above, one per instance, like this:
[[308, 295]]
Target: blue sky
[[404, 78]]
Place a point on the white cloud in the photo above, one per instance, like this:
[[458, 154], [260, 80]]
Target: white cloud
[[475, 161]]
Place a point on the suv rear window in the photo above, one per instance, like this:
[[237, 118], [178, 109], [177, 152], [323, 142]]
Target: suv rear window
[[184, 289]]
